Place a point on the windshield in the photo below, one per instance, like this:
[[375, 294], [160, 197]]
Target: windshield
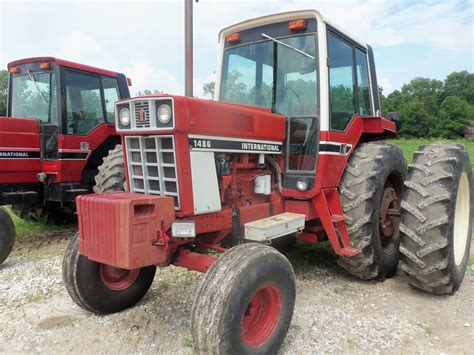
[[34, 96], [272, 75]]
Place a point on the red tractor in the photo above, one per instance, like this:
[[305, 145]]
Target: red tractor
[[292, 146], [51, 154]]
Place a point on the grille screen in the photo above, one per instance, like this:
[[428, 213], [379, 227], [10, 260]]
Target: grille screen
[[152, 166], [142, 114]]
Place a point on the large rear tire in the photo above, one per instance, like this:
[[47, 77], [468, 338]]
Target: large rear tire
[[111, 176], [245, 303], [101, 288], [371, 190], [7, 234], [437, 218]]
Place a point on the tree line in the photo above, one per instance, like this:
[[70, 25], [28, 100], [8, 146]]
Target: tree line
[[428, 107], [433, 108]]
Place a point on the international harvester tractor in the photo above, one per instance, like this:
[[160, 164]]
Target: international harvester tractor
[[58, 129], [292, 146]]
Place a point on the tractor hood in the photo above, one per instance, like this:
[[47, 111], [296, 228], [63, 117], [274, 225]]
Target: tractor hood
[[199, 116], [19, 150]]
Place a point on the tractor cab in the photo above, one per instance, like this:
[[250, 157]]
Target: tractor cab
[[300, 66], [66, 98], [59, 113], [58, 128]]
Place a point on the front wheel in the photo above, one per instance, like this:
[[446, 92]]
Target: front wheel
[[246, 302], [100, 288]]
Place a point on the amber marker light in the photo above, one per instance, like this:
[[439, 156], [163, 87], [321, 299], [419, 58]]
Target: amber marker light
[[233, 38], [297, 25], [45, 66], [14, 70]]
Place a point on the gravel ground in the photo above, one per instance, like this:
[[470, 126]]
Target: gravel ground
[[334, 312]]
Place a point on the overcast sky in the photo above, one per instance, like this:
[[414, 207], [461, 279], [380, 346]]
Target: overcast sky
[[144, 39]]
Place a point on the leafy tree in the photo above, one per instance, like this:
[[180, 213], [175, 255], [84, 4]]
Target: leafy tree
[[454, 114], [432, 108], [3, 92], [459, 84], [209, 88]]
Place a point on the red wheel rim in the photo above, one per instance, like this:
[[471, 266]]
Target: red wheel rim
[[261, 316], [117, 279]]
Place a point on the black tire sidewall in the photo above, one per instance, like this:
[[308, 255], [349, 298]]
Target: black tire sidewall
[[7, 235], [458, 271], [269, 272], [103, 299]]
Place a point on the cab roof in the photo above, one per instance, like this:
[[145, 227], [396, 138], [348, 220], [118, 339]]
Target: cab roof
[[284, 16], [64, 63]]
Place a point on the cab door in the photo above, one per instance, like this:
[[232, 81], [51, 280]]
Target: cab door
[[301, 153], [88, 119]]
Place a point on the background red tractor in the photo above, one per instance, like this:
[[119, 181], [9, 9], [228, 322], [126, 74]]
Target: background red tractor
[[293, 145], [58, 129]]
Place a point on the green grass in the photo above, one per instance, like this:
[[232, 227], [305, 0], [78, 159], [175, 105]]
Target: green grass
[[27, 228], [409, 146]]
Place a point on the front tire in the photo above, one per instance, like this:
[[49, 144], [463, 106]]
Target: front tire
[[7, 234], [101, 288], [245, 303], [437, 218], [371, 190]]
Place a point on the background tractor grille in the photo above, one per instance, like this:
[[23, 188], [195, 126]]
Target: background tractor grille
[[142, 114], [152, 166]]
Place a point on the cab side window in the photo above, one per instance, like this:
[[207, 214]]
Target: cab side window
[[341, 82], [111, 95], [349, 89], [83, 102], [363, 89]]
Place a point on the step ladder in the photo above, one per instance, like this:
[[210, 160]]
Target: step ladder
[[329, 210]]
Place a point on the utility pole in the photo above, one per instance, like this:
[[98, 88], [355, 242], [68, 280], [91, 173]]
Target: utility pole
[[188, 47]]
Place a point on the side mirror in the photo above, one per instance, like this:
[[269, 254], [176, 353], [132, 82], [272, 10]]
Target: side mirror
[[394, 116]]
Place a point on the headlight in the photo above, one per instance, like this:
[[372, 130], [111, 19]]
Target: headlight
[[124, 116], [163, 114], [301, 184]]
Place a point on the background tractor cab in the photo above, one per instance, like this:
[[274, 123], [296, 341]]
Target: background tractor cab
[[59, 127]]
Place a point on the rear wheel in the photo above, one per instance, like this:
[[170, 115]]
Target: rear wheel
[[7, 234], [111, 176], [437, 218], [371, 190], [101, 288], [246, 302]]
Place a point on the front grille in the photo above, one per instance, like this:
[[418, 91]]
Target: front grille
[[142, 114], [152, 166]]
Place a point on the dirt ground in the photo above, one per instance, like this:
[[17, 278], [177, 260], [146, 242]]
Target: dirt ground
[[334, 312]]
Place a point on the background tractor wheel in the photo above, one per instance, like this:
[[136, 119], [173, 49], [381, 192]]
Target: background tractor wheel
[[245, 303], [101, 288], [111, 176], [7, 234], [45, 214], [437, 218], [371, 190]]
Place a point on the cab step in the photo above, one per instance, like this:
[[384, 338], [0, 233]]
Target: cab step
[[275, 226], [349, 251]]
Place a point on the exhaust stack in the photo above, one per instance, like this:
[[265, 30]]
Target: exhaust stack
[[188, 48]]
